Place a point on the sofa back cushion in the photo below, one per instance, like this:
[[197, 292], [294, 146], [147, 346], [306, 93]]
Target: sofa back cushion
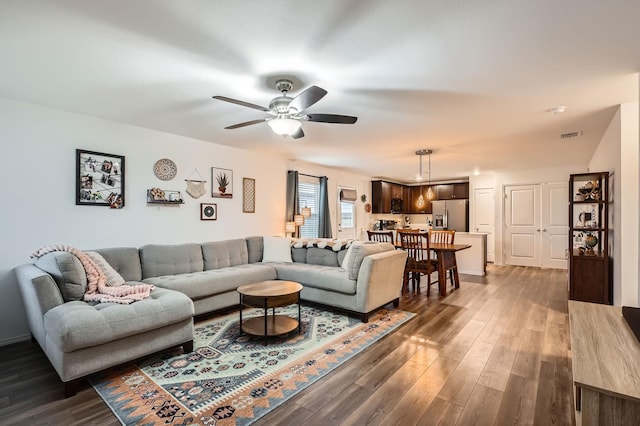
[[125, 260], [255, 246], [322, 256], [299, 255], [158, 260], [222, 254], [67, 271], [358, 251]]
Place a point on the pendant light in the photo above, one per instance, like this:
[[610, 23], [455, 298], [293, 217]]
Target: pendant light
[[421, 203], [430, 194]]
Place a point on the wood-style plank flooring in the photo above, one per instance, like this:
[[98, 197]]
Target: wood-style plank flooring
[[496, 351]]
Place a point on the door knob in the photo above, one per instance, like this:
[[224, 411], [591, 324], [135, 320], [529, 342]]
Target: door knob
[[544, 230], [538, 230]]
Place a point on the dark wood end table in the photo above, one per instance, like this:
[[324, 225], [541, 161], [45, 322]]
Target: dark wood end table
[[270, 294]]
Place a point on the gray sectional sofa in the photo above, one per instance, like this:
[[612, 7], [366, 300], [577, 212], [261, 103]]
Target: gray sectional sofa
[[81, 338]]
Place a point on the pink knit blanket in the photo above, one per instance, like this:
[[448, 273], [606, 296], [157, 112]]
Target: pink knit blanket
[[97, 290]]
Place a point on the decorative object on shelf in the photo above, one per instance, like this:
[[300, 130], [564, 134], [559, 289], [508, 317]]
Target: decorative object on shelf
[[585, 218], [590, 191], [208, 211], [160, 196], [165, 169], [195, 188], [221, 183], [99, 179], [248, 195], [590, 241]]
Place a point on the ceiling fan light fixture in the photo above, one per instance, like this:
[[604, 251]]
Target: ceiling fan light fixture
[[284, 126]]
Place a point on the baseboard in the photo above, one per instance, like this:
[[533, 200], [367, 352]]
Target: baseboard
[[13, 340]]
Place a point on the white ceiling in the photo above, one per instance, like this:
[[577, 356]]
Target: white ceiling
[[473, 82]]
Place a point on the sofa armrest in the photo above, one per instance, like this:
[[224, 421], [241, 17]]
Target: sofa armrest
[[39, 294], [380, 279]]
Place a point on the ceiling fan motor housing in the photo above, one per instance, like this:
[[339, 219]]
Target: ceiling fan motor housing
[[280, 105]]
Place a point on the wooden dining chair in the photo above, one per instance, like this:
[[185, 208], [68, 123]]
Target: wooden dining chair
[[407, 230], [416, 244], [442, 237], [381, 236]]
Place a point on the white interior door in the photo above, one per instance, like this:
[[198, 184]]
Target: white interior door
[[555, 225], [483, 218], [522, 225]]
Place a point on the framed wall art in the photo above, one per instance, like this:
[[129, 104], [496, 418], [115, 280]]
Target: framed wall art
[[248, 195], [221, 183], [208, 211], [99, 179]]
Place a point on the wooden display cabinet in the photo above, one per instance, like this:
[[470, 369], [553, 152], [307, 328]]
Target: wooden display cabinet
[[589, 272]]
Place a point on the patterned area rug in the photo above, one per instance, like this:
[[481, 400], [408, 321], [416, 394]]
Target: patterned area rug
[[234, 380]]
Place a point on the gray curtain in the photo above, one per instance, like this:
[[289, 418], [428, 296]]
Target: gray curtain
[[293, 207], [324, 216]]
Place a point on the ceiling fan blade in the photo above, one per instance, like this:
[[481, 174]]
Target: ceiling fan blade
[[307, 98], [241, 103], [246, 123], [299, 134], [332, 118]]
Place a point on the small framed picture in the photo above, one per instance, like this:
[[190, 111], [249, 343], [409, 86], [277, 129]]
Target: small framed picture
[[208, 211]]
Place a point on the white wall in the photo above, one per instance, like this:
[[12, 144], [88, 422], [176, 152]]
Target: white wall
[[37, 181], [619, 154]]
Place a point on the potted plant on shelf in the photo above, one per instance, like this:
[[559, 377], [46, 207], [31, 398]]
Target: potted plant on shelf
[[223, 182]]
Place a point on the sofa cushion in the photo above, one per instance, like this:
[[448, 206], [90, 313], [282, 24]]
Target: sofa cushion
[[276, 249], [125, 260], [112, 277], [299, 255], [358, 251], [158, 260], [67, 272], [197, 285], [318, 276], [322, 256], [77, 325], [254, 248], [222, 254]]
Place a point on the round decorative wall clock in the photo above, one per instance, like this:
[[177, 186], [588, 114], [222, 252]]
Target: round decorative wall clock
[[165, 169]]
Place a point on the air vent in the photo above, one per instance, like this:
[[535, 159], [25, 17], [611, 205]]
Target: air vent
[[569, 135]]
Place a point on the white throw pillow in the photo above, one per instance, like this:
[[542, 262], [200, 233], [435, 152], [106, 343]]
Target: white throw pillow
[[276, 249], [112, 277]]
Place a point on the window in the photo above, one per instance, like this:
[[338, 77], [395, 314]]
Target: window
[[309, 196], [346, 204]]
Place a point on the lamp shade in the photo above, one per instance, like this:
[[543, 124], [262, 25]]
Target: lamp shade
[[305, 212], [420, 202], [284, 126], [290, 227], [298, 219]]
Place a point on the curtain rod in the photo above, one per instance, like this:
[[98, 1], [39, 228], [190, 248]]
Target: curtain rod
[[304, 174]]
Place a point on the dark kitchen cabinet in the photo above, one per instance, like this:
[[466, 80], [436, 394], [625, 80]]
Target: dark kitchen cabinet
[[385, 194], [452, 191]]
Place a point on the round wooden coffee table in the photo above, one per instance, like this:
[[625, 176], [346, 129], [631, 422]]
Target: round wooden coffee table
[[270, 294]]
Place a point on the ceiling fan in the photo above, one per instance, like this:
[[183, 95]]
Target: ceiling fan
[[289, 113]]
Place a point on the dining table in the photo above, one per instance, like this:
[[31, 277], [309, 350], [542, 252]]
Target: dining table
[[446, 259], [446, 256]]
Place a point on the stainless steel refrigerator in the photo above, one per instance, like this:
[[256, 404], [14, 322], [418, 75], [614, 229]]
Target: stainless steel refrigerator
[[451, 214]]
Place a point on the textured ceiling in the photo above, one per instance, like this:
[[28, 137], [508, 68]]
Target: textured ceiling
[[472, 82]]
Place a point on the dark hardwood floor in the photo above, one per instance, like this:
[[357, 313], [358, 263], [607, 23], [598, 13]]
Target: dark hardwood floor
[[496, 351]]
